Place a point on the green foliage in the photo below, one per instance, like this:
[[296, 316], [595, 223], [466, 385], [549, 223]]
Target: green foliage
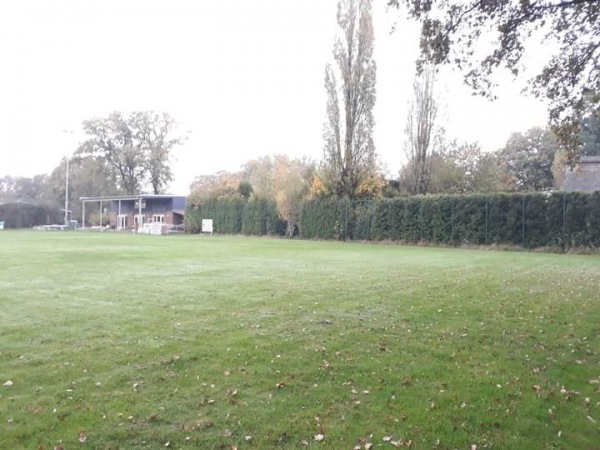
[[259, 218], [235, 215], [560, 220], [534, 220], [25, 215], [245, 189], [528, 158]]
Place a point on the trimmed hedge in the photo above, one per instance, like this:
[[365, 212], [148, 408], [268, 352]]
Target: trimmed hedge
[[25, 215], [558, 220], [236, 215]]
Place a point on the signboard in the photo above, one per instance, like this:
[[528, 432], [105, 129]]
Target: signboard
[[207, 226], [1, 225]]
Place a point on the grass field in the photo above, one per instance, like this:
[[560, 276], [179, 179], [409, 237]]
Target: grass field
[[120, 341]]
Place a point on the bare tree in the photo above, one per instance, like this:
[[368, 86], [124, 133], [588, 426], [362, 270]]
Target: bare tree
[[420, 131], [349, 147]]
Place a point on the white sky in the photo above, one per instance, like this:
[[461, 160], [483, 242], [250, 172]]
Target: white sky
[[245, 77]]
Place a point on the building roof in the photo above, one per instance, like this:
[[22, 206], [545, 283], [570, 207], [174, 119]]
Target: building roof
[[129, 197], [584, 177]]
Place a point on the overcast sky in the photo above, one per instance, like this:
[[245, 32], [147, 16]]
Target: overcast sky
[[243, 78]]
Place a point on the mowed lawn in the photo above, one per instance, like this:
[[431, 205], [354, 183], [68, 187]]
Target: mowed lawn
[[116, 341]]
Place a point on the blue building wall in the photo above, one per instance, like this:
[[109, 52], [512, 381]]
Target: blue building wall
[[153, 205], [179, 202]]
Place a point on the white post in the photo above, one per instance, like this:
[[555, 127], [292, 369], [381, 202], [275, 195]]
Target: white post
[[83, 214], [101, 214]]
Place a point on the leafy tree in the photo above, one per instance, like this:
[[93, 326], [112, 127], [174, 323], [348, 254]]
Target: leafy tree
[[290, 184], [25, 189], [590, 135], [349, 148], [465, 168], [420, 131], [452, 29], [559, 165], [135, 150], [87, 177], [259, 173], [223, 184], [528, 158], [245, 189]]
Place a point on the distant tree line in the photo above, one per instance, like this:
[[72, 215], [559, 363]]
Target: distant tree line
[[122, 155]]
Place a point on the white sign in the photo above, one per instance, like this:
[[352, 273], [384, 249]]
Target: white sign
[[207, 226], [2, 225]]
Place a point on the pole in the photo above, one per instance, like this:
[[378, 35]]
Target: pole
[[523, 222], [486, 220], [67, 195]]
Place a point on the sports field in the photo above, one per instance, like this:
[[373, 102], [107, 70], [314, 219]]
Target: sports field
[[116, 341]]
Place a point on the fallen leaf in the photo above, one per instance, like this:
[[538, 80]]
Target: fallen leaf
[[319, 437], [248, 438], [168, 444], [8, 383], [232, 393], [536, 388], [591, 419], [228, 433], [304, 442], [473, 447], [36, 410], [82, 437], [386, 438]]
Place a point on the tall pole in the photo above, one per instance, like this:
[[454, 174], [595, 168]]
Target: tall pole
[[67, 185], [67, 195]]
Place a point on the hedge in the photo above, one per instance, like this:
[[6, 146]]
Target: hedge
[[558, 220], [25, 215], [236, 215]]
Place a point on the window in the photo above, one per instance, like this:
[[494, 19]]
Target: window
[[158, 218], [139, 219]]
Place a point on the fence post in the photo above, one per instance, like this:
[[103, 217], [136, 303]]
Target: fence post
[[523, 222], [564, 205], [452, 221], [390, 221], [486, 220], [347, 203]]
